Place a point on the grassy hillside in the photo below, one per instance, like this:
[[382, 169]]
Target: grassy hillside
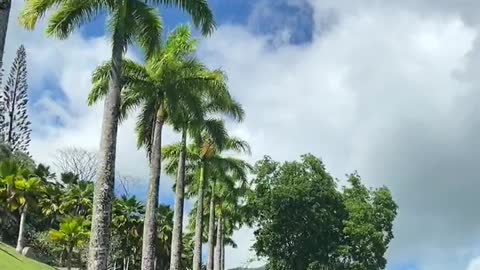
[[11, 260]]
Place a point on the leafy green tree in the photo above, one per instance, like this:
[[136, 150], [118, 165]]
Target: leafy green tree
[[129, 21], [305, 222], [368, 228], [72, 234]]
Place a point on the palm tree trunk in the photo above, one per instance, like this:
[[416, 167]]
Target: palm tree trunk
[[149, 226], [69, 259], [176, 255], [211, 229], [21, 230], [222, 265], [197, 252], [5, 6], [218, 246], [104, 186]]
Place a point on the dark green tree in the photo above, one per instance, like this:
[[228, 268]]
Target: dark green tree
[[306, 222], [15, 127]]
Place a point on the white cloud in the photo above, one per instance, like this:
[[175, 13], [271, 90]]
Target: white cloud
[[474, 264], [377, 93]]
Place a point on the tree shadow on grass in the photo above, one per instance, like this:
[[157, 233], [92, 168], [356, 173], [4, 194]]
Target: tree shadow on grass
[[8, 253]]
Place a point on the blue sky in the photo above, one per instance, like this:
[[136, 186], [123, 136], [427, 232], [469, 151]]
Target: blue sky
[[387, 88]]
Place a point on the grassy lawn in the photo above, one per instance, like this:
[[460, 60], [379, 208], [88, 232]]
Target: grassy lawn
[[11, 260]]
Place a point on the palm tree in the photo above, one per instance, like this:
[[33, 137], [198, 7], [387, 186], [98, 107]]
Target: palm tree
[[50, 202], [213, 161], [129, 21], [127, 223], [77, 199], [222, 183], [5, 6], [168, 89], [204, 155], [217, 101], [164, 237], [73, 233], [22, 190], [229, 213]]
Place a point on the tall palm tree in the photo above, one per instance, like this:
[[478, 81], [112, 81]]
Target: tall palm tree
[[229, 214], [204, 156], [228, 177], [129, 21], [211, 160], [216, 100], [170, 86], [5, 6]]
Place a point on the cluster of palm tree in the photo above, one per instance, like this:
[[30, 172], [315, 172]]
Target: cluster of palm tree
[[61, 210], [172, 88]]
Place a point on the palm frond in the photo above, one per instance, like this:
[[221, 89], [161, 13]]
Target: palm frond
[[71, 15], [202, 15], [35, 10], [238, 145], [148, 27]]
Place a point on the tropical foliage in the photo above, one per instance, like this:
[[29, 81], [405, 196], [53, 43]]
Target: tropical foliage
[[76, 217]]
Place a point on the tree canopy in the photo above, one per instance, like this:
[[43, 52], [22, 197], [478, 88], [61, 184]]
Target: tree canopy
[[305, 221]]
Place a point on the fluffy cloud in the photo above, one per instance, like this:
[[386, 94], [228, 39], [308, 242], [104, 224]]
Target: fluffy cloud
[[389, 90], [386, 92]]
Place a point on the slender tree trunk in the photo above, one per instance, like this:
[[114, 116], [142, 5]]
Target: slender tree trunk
[[222, 265], [21, 230], [104, 186], [218, 245], [177, 241], [149, 226], [69, 259], [5, 6], [197, 252], [211, 229], [11, 113]]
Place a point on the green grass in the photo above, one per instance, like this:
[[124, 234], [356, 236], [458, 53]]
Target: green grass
[[11, 260]]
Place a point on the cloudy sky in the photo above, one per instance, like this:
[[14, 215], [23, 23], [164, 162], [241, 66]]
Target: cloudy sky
[[388, 88]]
